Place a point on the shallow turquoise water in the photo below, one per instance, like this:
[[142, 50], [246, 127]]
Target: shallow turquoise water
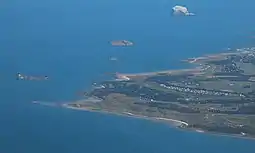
[[68, 41]]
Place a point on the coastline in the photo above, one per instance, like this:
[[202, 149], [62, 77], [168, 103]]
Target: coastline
[[161, 120], [199, 68], [217, 134], [196, 70], [197, 61], [128, 114]]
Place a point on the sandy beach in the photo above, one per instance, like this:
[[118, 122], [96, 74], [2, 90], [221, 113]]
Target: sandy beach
[[195, 60], [128, 76]]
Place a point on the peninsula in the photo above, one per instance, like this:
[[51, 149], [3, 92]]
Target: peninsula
[[217, 95]]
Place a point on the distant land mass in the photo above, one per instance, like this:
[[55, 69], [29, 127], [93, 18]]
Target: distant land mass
[[31, 78], [121, 43]]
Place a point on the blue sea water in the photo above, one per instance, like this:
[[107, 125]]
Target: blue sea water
[[69, 41]]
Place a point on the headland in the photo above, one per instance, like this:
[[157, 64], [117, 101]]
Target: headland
[[216, 96]]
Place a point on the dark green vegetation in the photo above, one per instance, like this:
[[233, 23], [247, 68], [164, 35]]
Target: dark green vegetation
[[221, 98]]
